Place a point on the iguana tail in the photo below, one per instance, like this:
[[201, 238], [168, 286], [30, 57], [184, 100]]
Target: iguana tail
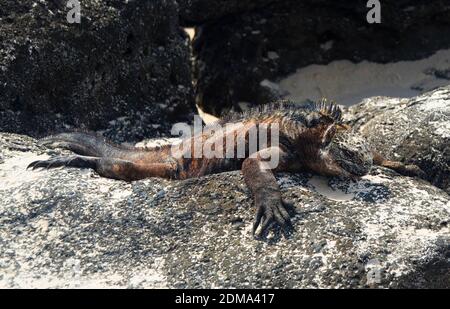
[[88, 144]]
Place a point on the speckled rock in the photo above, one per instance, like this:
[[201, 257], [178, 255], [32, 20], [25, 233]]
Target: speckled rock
[[236, 54], [71, 228], [126, 62], [414, 130]]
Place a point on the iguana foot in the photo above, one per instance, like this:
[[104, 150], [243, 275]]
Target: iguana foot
[[269, 214], [71, 161], [412, 171]]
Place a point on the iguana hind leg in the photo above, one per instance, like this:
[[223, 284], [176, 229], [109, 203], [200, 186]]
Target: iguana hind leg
[[112, 168]]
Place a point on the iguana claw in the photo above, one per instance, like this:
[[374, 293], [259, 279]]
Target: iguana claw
[[270, 213]]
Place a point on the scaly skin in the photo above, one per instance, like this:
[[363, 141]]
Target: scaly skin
[[311, 138]]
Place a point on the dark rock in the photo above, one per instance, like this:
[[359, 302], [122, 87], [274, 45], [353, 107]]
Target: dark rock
[[126, 60], [416, 131], [198, 12], [71, 228], [235, 53]]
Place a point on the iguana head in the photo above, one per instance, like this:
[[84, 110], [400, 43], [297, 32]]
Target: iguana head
[[351, 152]]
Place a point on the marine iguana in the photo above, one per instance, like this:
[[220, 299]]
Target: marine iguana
[[312, 137]]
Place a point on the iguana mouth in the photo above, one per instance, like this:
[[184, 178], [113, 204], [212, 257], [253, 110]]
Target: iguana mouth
[[355, 168]]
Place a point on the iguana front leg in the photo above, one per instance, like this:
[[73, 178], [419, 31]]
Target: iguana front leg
[[259, 177], [399, 167]]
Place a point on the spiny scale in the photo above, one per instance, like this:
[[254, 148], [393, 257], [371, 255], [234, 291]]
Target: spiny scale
[[330, 108], [288, 108]]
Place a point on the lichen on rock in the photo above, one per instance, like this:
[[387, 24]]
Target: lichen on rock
[[416, 130]]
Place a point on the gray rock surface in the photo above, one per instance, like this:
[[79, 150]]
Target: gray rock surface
[[234, 54], [126, 62], [414, 130], [71, 228]]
